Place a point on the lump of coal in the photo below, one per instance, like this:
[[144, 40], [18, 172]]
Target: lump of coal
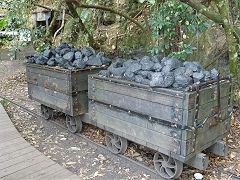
[[183, 71], [58, 49], [129, 75], [42, 60], [51, 62], [157, 59], [94, 61], [160, 79], [182, 81], [64, 51], [146, 63], [194, 66], [100, 55], [119, 71], [214, 73], [47, 53], [144, 74], [198, 77], [60, 61], [69, 56], [171, 63], [31, 60], [68, 65], [166, 69], [138, 78], [86, 51], [146, 82], [157, 67], [119, 63], [128, 63], [106, 61], [207, 75], [85, 59], [79, 64], [134, 67], [78, 55], [63, 45], [104, 73]]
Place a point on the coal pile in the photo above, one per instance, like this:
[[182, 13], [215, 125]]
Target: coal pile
[[69, 57], [157, 71]]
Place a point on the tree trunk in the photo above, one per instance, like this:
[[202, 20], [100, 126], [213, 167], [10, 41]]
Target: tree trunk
[[223, 8]]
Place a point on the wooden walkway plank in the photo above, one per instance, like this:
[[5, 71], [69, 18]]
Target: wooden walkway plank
[[25, 173], [18, 153], [20, 160]]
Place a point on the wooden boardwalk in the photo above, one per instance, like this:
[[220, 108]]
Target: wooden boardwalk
[[19, 160]]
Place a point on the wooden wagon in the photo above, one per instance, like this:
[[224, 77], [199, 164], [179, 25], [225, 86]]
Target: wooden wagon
[[60, 89], [178, 124]]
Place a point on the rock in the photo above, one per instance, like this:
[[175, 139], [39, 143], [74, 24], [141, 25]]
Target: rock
[[182, 81], [104, 73], [69, 56], [63, 45], [47, 53], [146, 63], [157, 67], [60, 61], [58, 49], [86, 51], [138, 78], [129, 75], [31, 60], [106, 61], [171, 63], [145, 81], [188, 72], [78, 55], [160, 79], [94, 61], [70, 46], [64, 51], [179, 71], [100, 55], [156, 58], [128, 63], [68, 65], [79, 64], [117, 71], [198, 77], [51, 62], [150, 75], [191, 65], [199, 66], [134, 67], [36, 56], [166, 69], [119, 63], [74, 50], [214, 73], [207, 75], [144, 74], [42, 60], [85, 59]]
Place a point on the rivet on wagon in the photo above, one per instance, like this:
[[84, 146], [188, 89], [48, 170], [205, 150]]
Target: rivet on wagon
[[110, 105], [150, 118], [129, 112], [175, 150], [175, 135], [176, 119]]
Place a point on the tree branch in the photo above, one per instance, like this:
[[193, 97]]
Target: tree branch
[[215, 17], [49, 8], [108, 9]]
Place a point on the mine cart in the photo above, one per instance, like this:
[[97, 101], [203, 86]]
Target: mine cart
[[180, 125], [60, 89]]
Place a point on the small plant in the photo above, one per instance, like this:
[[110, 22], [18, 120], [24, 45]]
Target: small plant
[[4, 103]]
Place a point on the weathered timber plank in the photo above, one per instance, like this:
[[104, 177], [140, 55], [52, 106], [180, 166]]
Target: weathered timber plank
[[220, 148], [200, 161], [137, 105], [209, 94], [155, 138], [135, 92], [20, 159], [20, 166], [17, 153], [139, 121], [13, 149], [24, 173], [80, 103]]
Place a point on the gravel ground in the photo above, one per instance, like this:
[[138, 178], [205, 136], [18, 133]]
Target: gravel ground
[[85, 158]]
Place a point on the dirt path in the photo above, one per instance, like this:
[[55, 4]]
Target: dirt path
[[86, 159]]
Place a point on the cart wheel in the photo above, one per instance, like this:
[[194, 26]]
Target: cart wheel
[[46, 112], [115, 143], [74, 124], [166, 166]]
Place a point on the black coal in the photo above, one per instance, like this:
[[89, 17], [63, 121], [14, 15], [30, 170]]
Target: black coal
[[160, 71], [69, 57]]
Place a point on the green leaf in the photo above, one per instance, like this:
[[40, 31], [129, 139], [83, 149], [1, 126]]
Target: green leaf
[[151, 1], [141, 1]]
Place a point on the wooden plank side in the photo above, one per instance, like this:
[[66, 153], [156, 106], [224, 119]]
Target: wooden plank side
[[140, 93], [46, 97], [138, 120], [137, 105], [108, 120], [80, 103]]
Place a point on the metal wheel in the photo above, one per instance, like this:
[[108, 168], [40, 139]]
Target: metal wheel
[[74, 124], [46, 112], [115, 143], [166, 166]]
